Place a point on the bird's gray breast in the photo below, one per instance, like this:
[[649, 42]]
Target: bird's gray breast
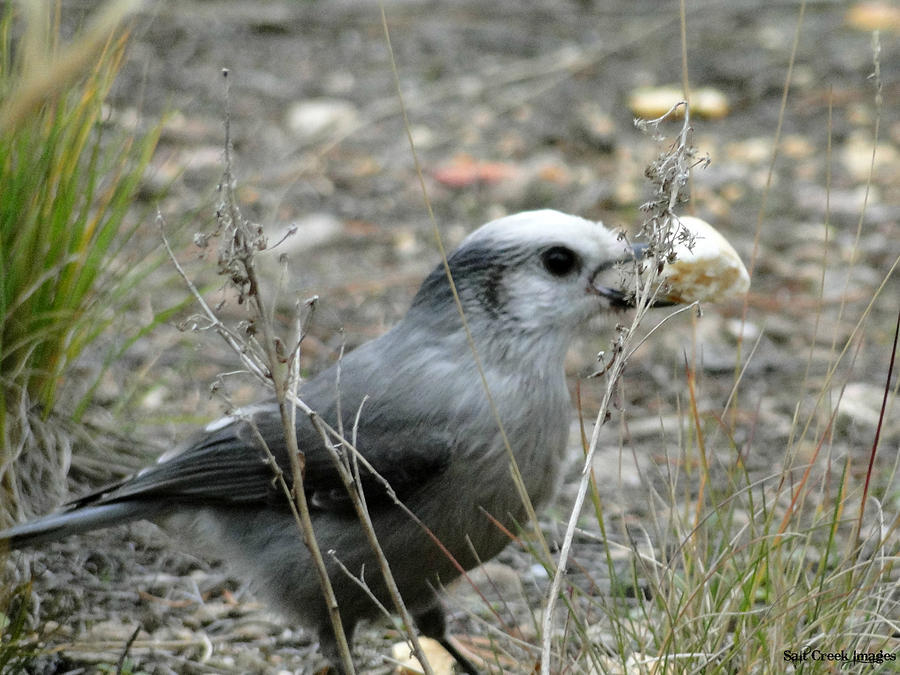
[[478, 491]]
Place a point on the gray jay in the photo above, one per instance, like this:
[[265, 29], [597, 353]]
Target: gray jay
[[526, 283]]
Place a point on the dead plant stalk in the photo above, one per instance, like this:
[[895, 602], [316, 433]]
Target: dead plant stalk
[[266, 362], [669, 174]]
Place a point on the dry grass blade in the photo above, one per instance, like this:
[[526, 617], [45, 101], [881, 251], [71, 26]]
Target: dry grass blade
[[56, 74]]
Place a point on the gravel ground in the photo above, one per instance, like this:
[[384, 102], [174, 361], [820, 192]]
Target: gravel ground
[[512, 105]]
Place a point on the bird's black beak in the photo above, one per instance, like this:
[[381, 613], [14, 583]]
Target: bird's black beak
[[619, 298]]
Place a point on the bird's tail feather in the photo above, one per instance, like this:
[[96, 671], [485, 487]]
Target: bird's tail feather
[[64, 523]]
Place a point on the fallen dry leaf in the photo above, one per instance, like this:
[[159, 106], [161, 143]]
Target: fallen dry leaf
[[464, 171]]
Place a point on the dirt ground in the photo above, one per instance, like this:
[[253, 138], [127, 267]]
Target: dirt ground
[[512, 106]]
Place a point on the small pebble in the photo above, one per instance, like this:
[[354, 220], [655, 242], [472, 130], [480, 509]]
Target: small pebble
[[440, 660], [315, 119], [869, 16], [653, 102]]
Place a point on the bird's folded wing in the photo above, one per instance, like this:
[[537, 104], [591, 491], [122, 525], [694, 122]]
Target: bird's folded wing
[[230, 466]]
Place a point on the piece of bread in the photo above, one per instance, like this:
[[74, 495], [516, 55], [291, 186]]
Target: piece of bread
[[709, 271]]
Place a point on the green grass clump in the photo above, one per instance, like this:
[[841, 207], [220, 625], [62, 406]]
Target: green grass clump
[[66, 184], [16, 647]]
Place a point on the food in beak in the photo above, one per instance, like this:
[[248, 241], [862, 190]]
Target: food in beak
[[706, 267]]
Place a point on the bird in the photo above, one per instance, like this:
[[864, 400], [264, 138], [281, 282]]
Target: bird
[[417, 399]]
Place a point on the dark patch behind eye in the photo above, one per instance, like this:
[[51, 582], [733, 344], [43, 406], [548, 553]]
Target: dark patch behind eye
[[478, 272]]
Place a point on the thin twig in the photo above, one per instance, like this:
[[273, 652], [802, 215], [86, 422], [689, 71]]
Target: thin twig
[[513, 464], [232, 339], [120, 666]]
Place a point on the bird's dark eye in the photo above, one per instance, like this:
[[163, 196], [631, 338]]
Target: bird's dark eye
[[560, 261]]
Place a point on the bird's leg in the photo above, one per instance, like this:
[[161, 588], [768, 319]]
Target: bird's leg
[[432, 623]]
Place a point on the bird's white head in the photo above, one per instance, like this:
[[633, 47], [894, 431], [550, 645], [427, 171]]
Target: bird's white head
[[527, 280]]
